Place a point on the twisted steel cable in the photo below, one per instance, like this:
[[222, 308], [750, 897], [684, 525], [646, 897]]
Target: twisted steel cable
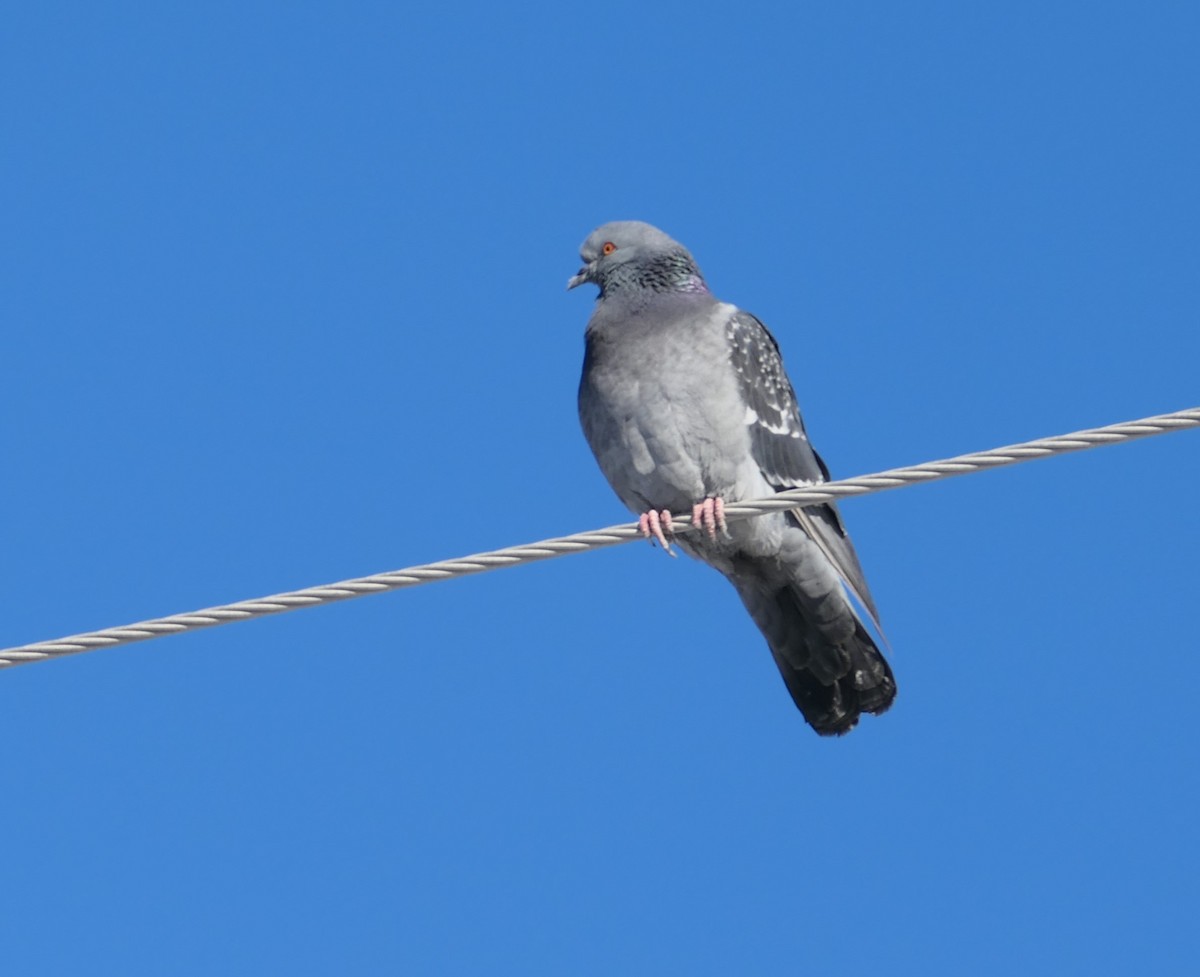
[[595, 539]]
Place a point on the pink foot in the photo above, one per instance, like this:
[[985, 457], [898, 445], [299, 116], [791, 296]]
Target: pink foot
[[657, 525], [710, 514]]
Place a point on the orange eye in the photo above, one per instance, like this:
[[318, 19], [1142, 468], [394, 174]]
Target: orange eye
[[609, 247]]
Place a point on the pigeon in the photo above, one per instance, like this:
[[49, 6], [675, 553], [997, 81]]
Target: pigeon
[[686, 405]]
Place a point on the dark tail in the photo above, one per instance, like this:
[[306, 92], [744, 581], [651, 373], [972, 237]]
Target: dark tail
[[830, 664]]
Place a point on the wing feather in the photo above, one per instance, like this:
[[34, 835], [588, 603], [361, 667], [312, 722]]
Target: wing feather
[[781, 447]]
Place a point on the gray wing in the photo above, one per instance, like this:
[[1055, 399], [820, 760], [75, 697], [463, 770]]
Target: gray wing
[[781, 447]]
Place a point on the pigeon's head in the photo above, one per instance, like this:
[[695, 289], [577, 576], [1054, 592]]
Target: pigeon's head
[[634, 255]]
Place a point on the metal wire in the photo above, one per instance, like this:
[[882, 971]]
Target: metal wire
[[582, 542]]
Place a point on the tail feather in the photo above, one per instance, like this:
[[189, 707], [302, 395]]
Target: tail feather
[[832, 667]]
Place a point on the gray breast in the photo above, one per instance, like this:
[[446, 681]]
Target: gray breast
[[661, 408]]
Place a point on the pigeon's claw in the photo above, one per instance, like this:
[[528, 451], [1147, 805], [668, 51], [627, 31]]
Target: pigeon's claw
[[657, 525], [710, 515]]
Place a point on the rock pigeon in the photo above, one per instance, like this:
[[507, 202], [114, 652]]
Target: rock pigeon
[[686, 405]]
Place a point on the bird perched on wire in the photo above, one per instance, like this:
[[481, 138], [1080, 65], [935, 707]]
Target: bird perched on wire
[[686, 405]]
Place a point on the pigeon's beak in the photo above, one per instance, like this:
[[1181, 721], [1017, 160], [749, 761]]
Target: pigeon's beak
[[584, 276]]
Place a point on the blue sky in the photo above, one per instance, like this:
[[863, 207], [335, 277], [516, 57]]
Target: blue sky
[[284, 303]]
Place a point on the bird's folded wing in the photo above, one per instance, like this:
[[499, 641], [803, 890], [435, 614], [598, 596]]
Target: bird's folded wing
[[781, 447]]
